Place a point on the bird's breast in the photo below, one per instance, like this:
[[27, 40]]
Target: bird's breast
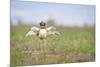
[[42, 33]]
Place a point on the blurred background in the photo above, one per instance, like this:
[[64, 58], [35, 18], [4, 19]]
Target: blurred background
[[62, 14]]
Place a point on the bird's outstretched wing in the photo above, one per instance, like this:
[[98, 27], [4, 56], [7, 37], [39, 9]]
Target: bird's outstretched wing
[[50, 28], [35, 28], [54, 33], [33, 31]]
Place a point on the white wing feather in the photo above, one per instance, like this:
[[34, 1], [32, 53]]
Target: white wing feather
[[33, 31], [50, 28], [54, 33], [30, 33]]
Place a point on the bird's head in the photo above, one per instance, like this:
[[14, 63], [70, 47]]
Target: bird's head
[[42, 24]]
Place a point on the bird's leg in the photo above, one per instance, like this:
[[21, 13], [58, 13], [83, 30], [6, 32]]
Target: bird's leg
[[40, 45], [45, 45]]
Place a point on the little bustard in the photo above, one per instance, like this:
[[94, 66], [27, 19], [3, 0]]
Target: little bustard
[[42, 32]]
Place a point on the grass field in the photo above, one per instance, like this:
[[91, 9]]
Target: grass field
[[73, 45]]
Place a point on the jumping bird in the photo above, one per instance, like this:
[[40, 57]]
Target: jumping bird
[[42, 32]]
